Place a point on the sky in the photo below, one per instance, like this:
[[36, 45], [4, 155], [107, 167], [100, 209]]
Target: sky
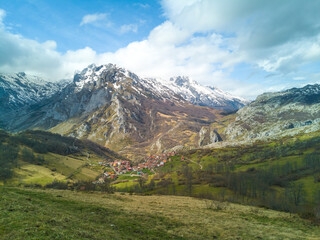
[[245, 47]]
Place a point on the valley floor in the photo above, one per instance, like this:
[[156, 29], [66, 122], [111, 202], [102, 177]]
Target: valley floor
[[57, 214]]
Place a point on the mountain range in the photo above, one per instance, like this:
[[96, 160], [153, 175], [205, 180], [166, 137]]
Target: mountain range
[[116, 108], [137, 116]]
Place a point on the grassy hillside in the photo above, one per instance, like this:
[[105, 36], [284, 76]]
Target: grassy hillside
[[56, 214], [282, 175], [36, 157]]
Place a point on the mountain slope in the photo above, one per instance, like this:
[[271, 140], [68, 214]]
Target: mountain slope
[[19, 90], [278, 114], [197, 94]]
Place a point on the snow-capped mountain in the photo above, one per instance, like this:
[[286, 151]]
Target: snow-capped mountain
[[19, 90], [93, 76], [173, 88], [195, 93], [115, 108], [140, 116]]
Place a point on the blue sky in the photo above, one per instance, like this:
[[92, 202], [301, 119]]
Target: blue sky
[[246, 47], [60, 20]]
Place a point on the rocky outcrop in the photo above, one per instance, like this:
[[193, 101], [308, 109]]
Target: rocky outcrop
[[208, 136], [215, 137], [279, 114]]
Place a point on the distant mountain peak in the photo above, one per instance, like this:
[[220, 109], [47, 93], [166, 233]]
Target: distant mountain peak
[[182, 80], [22, 74], [105, 73], [18, 90], [196, 93]]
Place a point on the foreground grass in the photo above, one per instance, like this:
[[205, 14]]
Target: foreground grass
[[56, 214]]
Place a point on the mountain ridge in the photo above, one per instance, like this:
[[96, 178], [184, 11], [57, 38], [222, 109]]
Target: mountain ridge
[[20, 90], [140, 116], [186, 88]]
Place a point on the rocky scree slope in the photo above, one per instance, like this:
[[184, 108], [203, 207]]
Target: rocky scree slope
[[273, 115]]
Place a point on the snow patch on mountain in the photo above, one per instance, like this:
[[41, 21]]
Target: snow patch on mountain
[[195, 93]]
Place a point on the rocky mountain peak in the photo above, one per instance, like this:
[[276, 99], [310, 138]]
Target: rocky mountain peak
[[94, 77], [102, 75], [21, 74], [182, 81], [195, 93]]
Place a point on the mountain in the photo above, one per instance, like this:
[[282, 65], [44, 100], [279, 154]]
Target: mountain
[[200, 95], [273, 115], [117, 109], [21, 90]]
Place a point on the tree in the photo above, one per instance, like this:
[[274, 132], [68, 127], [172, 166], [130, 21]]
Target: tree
[[8, 160], [294, 195], [316, 198], [187, 172], [141, 182], [27, 155], [151, 185]]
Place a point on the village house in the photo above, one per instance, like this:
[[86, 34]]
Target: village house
[[150, 162]]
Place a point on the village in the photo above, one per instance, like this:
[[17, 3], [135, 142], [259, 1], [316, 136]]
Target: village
[[147, 166]]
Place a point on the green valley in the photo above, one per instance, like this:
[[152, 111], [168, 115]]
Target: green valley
[[282, 175]]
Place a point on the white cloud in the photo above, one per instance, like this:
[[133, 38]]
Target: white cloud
[[168, 34], [129, 28], [169, 50], [20, 54], [299, 78], [204, 39], [91, 18], [142, 5], [2, 16], [271, 33]]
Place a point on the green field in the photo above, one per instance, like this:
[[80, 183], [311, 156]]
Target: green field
[[36, 157], [56, 214]]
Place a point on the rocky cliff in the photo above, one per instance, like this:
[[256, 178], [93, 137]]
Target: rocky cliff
[[273, 115]]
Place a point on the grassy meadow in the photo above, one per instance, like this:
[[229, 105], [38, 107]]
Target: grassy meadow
[[36, 157], [62, 214]]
